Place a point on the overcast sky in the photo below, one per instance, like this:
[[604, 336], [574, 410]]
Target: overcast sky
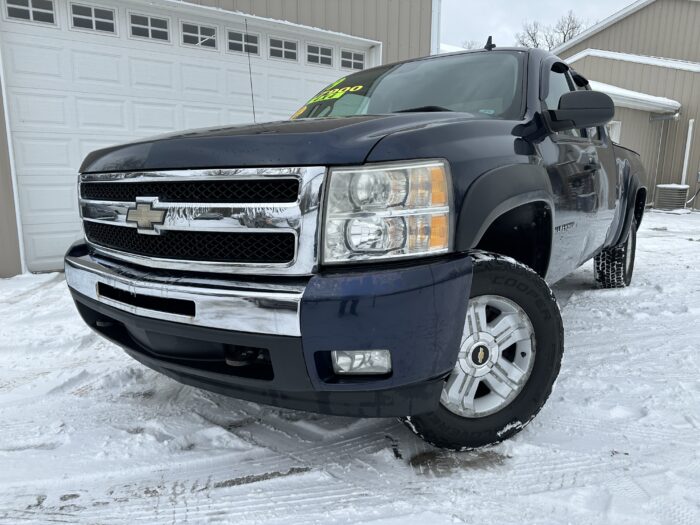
[[477, 19]]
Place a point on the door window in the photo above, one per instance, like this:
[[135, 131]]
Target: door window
[[559, 84]]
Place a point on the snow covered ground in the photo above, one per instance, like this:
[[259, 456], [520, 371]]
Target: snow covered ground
[[88, 435]]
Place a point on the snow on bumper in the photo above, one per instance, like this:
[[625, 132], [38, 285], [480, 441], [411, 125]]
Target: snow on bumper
[[187, 326]]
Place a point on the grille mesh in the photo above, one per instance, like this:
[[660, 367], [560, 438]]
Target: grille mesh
[[196, 245], [215, 191]]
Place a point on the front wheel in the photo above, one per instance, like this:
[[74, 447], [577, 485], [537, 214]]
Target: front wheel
[[509, 357]]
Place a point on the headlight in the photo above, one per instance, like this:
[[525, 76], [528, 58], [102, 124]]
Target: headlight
[[387, 211]]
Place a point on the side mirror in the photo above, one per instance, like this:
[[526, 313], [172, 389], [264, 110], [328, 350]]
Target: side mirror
[[582, 109]]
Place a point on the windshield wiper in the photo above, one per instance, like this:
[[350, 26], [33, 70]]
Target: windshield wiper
[[423, 108]]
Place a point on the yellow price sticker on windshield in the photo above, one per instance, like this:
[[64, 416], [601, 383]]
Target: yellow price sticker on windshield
[[334, 93]]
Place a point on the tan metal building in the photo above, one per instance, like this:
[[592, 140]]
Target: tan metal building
[[651, 47], [10, 257], [78, 75]]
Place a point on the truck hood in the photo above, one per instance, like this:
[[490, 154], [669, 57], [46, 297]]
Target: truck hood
[[313, 142]]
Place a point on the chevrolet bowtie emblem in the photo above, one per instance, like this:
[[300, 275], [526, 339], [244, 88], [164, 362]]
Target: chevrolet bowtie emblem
[[481, 356], [145, 217]]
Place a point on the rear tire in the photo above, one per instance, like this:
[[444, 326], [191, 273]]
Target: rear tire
[[613, 267], [511, 352]]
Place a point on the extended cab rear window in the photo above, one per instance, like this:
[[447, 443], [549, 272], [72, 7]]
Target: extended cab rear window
[[486, 84]]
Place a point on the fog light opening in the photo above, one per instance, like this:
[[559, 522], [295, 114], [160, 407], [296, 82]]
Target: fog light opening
[[361, 362]]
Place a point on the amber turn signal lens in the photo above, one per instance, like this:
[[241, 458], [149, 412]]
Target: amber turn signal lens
[[438, 232], [438, 180]]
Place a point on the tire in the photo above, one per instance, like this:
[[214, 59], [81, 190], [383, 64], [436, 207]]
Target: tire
[[507, 291], [613, 267]]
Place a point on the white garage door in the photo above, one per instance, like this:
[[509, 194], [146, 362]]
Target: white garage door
[[84, 75]]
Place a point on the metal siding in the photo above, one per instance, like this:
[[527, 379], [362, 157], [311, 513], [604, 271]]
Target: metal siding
[[383, 26], [414, 29], [332, 20], [345, 21], [316, 12], [426, 9], [357, 17], [276, 9], [9, 239], [403, 26], [671, 83], [665, 28], [370, 10], [290, 10], [641, 135], [405, 35], [393, 31]]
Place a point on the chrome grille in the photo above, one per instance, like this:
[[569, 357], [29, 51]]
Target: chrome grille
[[196, 245], [242, 191], [256, 221]]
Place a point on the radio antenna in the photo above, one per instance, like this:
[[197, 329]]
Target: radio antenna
[[250, 70]]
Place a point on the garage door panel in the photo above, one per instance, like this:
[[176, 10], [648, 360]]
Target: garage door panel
[[201, 116], [240, 116], [40, 110], [238, 86], [284, 89], [29, 59], [202, 79], [152, 74], [43, 154], [101, 114], [151, 117], [52, 202], [97, 69], [45, 245]]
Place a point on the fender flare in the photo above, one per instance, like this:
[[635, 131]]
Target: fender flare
[[495, 193], [633, 188]]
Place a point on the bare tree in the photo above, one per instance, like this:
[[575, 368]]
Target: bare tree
[[566, 28], [470, 44], [534, 34]]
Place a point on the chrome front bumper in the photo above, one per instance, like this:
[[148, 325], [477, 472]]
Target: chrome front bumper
[[416, 312], [238, 305]]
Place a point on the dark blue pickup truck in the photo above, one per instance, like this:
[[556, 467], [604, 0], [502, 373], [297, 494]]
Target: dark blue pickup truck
[[385, 252]]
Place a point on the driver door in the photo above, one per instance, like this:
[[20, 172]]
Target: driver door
[[571, 160]]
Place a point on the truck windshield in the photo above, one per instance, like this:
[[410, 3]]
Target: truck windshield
[[487, 84]]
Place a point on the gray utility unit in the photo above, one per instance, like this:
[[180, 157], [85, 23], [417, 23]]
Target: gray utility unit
[[671, 196]]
